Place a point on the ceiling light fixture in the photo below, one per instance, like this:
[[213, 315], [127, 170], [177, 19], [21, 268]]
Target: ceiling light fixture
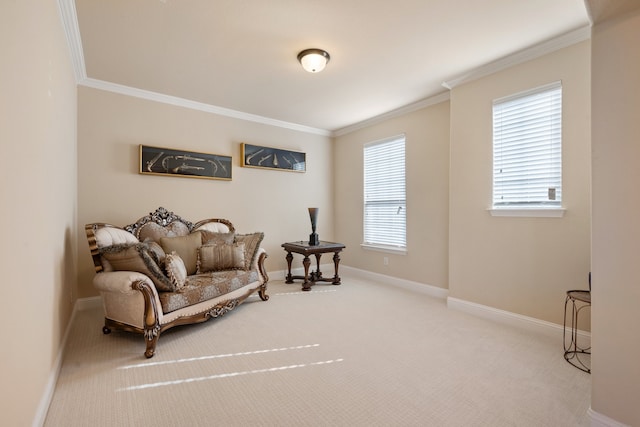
[[313, 60]]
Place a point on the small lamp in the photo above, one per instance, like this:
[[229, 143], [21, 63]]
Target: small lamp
[[313, 60]]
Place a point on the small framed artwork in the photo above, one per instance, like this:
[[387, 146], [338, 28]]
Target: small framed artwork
[[166, 161], [256, 156]]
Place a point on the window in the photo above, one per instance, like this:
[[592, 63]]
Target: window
[[527, 149], [385, 207]]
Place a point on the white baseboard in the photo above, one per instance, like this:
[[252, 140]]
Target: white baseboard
[[432, 291], [479, 310], [45, 401], [88, 303], [529, 323], [328, 270], [43, 407], [599, 420]]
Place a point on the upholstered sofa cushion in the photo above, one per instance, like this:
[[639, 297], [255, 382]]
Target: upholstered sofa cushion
[[217, 257], [203, 287], [252, 244], [137, 257], [185, 246], [176, 271], [212, 237]]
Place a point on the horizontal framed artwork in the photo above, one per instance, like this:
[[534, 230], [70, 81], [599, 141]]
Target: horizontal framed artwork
[[190, 164], [256, 156]]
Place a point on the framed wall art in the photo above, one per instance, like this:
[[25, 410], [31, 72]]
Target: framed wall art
[[256, 156], [166, 161]]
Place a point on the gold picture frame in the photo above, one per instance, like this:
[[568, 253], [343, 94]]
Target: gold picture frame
[[257, 156]]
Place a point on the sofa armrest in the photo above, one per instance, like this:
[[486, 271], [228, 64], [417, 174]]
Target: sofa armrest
[[120, 281], [258, 264], [131, 298]]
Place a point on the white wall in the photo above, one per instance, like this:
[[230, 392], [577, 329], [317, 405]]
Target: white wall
[[110, 189], [38, 193], [521, 265], [616, 219]]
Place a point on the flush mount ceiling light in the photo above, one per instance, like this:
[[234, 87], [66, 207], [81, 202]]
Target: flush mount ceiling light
[[313, 60]]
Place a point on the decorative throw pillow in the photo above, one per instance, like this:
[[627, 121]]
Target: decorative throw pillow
[[156, 251], [176, 271], [137, 257], [213, 237], [221, 257], [251, 246], [185, 246], [109, 236]]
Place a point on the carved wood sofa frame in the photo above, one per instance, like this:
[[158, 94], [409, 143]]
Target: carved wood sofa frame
[[153, 327]]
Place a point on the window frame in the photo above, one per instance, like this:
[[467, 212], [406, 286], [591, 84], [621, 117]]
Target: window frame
[[525, 207], [387, 246]]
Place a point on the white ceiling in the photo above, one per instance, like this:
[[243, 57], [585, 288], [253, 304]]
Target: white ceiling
[[241, 54]]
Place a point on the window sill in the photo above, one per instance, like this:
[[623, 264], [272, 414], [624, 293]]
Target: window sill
[[529, 212], [387, 249]]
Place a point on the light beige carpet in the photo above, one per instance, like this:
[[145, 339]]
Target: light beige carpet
[[359, 354]]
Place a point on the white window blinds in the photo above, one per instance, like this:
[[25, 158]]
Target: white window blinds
[[385, 207], [527, 149]]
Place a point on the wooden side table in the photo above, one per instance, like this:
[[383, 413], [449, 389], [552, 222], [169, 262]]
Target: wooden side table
[[305, 249]]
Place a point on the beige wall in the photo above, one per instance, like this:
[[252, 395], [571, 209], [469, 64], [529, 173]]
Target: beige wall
[[38, 192], [62, 186], [110, 128], [616, 224], [521, 265], [427, 168]]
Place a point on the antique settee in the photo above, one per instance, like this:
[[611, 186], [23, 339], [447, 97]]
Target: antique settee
[[163, 271]]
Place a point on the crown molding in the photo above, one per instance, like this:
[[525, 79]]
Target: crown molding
[[419, 105], [69, 18], [195, 105], [576, 36], [71, 28]]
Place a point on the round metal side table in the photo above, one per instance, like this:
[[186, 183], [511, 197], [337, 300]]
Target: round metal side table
[[580, 357]]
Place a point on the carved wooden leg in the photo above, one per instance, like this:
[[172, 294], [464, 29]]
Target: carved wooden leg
[[289, 259], [336, 263], [306, 286], [263, 288], [263, 292], [318, 273], [151, 323], [151, 344]]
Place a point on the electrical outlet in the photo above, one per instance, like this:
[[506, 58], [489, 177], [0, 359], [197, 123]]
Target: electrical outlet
[[385, 260]]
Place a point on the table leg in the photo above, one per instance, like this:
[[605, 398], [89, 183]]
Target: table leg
[[289, 259], [306, 286], [336, 263], [318, 274]]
